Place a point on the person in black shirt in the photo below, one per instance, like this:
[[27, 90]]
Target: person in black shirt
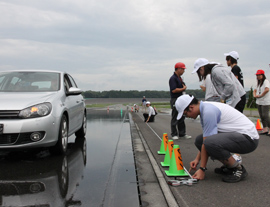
[[231, 59], [177, 87]]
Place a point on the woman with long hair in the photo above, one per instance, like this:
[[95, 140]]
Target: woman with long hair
[[227, 86], [262, 95], [204, 74]]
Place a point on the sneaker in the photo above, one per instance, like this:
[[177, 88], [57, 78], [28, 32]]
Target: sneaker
[[238, 175], [185, 137], [175, 137], [223, 170]]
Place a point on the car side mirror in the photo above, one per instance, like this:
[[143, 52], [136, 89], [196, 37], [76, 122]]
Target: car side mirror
[[74, 91]]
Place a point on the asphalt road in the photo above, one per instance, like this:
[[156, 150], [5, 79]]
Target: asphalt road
[[253, 191]]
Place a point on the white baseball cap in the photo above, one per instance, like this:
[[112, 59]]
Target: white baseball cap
[[181, 103], [233, 54], [199, 63], [147, 102]]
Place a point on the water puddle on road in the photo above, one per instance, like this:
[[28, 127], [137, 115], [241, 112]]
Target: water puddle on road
[[98, 170]]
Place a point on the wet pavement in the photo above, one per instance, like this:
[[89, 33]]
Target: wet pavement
[[116, 164], [98, 170]]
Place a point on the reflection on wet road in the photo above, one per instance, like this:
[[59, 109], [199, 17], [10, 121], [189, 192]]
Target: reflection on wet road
[[41, 179], [98, 170]]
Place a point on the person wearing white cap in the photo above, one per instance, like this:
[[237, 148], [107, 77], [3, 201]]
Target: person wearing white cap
[[150, 116], [225, 131], [210, 92], [177, 88], [224, 81], [231, 59]]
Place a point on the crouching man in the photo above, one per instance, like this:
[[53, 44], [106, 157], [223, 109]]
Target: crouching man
[[150, 116], [225, 131]]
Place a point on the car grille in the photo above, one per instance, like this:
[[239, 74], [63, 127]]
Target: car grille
[[16, 139], [12, 114], [8, 138]]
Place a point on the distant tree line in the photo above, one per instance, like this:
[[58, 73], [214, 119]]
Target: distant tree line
[[137, 94], [198, 93]]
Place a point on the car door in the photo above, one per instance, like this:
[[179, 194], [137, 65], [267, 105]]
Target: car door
[[75, 105]]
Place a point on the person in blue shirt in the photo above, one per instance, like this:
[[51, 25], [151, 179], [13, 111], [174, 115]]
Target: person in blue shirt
[[144, 103], [225, 131], [177, 88]]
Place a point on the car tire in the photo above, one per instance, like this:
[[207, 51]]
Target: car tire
[[62, 143], [82, 131], [63, 177]]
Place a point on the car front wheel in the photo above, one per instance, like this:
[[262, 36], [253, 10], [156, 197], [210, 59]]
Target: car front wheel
[[62, 143]]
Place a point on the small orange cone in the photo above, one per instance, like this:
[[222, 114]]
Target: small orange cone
[[176, 164], [258, 125], [168, 154], [163, 146]]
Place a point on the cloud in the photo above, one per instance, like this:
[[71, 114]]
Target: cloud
[[126, 45]]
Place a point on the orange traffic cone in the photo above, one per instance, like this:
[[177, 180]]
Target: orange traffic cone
[[258, 125], [163, 146], [176, 164], [168, 154]]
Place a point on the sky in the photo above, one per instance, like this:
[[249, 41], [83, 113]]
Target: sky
[[133, 45]]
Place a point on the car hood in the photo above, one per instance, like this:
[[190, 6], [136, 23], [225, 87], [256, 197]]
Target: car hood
[[18, 101]]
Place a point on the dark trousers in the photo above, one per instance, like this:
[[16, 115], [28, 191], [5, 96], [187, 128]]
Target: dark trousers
[[264, 115], [178, 127], [220, 146], [241, 104], [152, 117]]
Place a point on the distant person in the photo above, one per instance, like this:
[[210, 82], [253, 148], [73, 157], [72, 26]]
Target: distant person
[[150, 116], [231, 59], [228, 87], [262, 95], [144, 103], [177, 87], [207, 86], [225, 131], [136, 108]]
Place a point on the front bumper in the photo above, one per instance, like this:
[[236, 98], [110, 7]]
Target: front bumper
[[16, 132]]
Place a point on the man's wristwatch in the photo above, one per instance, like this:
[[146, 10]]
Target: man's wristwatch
[[203, 169]]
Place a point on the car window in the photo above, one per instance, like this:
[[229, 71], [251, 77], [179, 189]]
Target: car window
[[72, 82], [29, 81]]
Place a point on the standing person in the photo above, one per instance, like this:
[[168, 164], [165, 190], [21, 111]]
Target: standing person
[[150, 116], [210, 92], [224, 81], [262, 95], [225, 131], [231, 59], [144, 103], [177, 87]]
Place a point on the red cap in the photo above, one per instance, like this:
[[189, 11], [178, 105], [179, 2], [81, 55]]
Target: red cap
[[260, 72], [180, 65]]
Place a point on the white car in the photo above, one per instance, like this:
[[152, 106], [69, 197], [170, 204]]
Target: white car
[[40, 109]]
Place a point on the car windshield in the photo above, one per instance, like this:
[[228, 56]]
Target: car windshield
[[29, 81]]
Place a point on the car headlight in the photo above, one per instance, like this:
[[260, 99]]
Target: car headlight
[[38, 110]]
